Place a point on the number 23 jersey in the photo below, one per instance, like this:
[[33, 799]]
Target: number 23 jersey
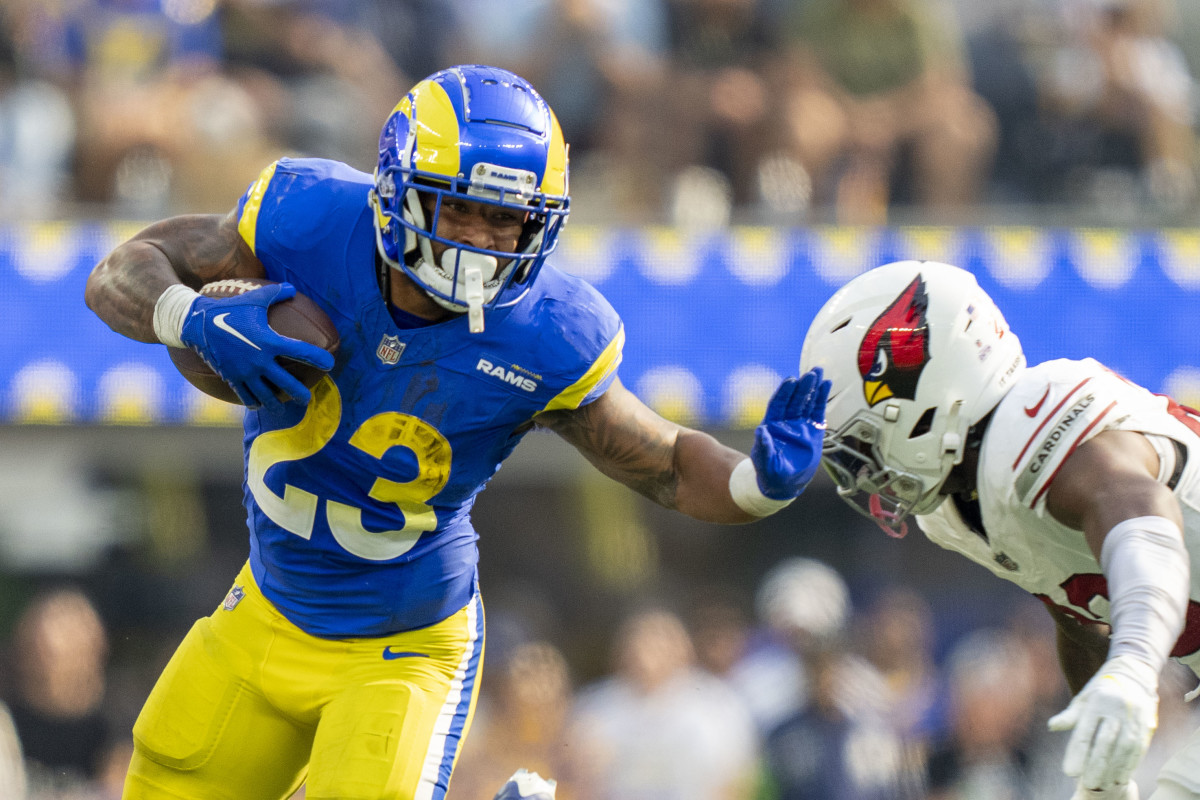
[[359, 504], [1053, 409]]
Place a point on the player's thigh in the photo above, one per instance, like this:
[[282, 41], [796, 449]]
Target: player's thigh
[[393, 732], [205, 733]]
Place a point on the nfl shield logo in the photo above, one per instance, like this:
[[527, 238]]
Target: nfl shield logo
[[233, 598], [390, 348]]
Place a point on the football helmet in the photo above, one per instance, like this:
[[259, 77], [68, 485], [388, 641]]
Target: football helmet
[[481, 134], [917, 353]]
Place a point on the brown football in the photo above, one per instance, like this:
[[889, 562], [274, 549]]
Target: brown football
[[297, 318]]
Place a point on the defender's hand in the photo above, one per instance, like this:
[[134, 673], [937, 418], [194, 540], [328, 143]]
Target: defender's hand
[[787, 445], [1113, 718], [232, 335]]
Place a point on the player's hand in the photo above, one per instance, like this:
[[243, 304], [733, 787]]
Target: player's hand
[[232, 335], [1113, 718], [787, 445], [1121, 791]]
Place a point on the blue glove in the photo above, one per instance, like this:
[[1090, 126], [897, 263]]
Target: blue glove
[[787, 445], [231, 334]]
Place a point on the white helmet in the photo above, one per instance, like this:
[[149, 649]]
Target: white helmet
[[917, 353]]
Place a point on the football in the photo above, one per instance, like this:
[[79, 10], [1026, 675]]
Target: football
[[297, 318]]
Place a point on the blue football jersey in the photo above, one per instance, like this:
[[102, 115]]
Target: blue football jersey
[[359, 504]]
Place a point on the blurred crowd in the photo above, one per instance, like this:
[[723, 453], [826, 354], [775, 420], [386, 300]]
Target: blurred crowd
[[693, 112], [805, 694]]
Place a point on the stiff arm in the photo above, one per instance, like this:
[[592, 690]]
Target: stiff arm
[[677, 467]]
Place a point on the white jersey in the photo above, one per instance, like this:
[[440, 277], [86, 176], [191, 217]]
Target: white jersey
[[1053, 409]]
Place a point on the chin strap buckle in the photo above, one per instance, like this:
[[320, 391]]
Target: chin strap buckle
[[474, 285]]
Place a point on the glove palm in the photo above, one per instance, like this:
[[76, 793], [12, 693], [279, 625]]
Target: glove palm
[[787, 445]]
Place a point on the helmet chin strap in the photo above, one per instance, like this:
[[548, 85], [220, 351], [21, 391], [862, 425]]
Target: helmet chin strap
[[474, 282], [952, 439], [471, 268]]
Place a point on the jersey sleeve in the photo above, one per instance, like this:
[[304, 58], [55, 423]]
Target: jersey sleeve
[[250, 209], [583, 340], [1057, 407], [297, 208], [595, 381]]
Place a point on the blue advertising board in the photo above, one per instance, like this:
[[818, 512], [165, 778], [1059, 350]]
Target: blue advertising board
[[713, 320]]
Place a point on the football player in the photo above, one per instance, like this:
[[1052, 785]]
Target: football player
[[347, 652], [1063, 478]]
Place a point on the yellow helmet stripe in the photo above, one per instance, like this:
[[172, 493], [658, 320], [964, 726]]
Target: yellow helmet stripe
[[554, 182], [437, 128], [248, 222]]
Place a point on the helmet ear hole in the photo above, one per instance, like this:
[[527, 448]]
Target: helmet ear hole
[[533, 225], [923, 425]]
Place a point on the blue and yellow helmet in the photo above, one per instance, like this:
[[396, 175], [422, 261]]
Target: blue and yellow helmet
[[482, 134]]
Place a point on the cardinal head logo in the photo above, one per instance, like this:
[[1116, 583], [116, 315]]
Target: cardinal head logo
[[895, 349]]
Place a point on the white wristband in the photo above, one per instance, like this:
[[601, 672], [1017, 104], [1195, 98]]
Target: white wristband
[[170, 312], [1148, 573], [743, 488]]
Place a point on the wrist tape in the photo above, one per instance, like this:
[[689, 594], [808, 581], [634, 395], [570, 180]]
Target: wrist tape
[[1149, 580], [743, 488], [170, 312]]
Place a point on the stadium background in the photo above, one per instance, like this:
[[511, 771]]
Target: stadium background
[[119, 479]]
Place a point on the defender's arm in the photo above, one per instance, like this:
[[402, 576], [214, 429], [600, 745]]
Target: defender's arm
[[1108, 480], [1082, 648], [1109, 489], [194, 250]]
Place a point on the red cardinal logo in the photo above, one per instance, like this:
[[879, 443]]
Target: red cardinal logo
[[896, 347]]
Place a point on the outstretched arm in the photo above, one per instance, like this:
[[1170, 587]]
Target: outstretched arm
[[690, 471], [674, 466], [1133, 524]]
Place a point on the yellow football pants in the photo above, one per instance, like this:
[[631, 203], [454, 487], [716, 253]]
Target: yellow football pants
[[249, 707]]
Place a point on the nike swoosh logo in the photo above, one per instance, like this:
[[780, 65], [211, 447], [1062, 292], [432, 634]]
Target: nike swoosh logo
[[391, 655], [219, 321], [1032, 411]]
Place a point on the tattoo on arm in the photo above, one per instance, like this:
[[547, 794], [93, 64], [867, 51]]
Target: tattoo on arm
[[626, 441], [194, 250], [203, 250]]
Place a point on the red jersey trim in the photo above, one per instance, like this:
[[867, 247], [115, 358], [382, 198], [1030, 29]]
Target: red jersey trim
[[1053, 413]]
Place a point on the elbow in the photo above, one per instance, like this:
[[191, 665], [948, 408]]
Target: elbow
[[93, 288]]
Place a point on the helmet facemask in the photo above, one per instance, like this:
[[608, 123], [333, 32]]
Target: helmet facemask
[[855, 457]]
